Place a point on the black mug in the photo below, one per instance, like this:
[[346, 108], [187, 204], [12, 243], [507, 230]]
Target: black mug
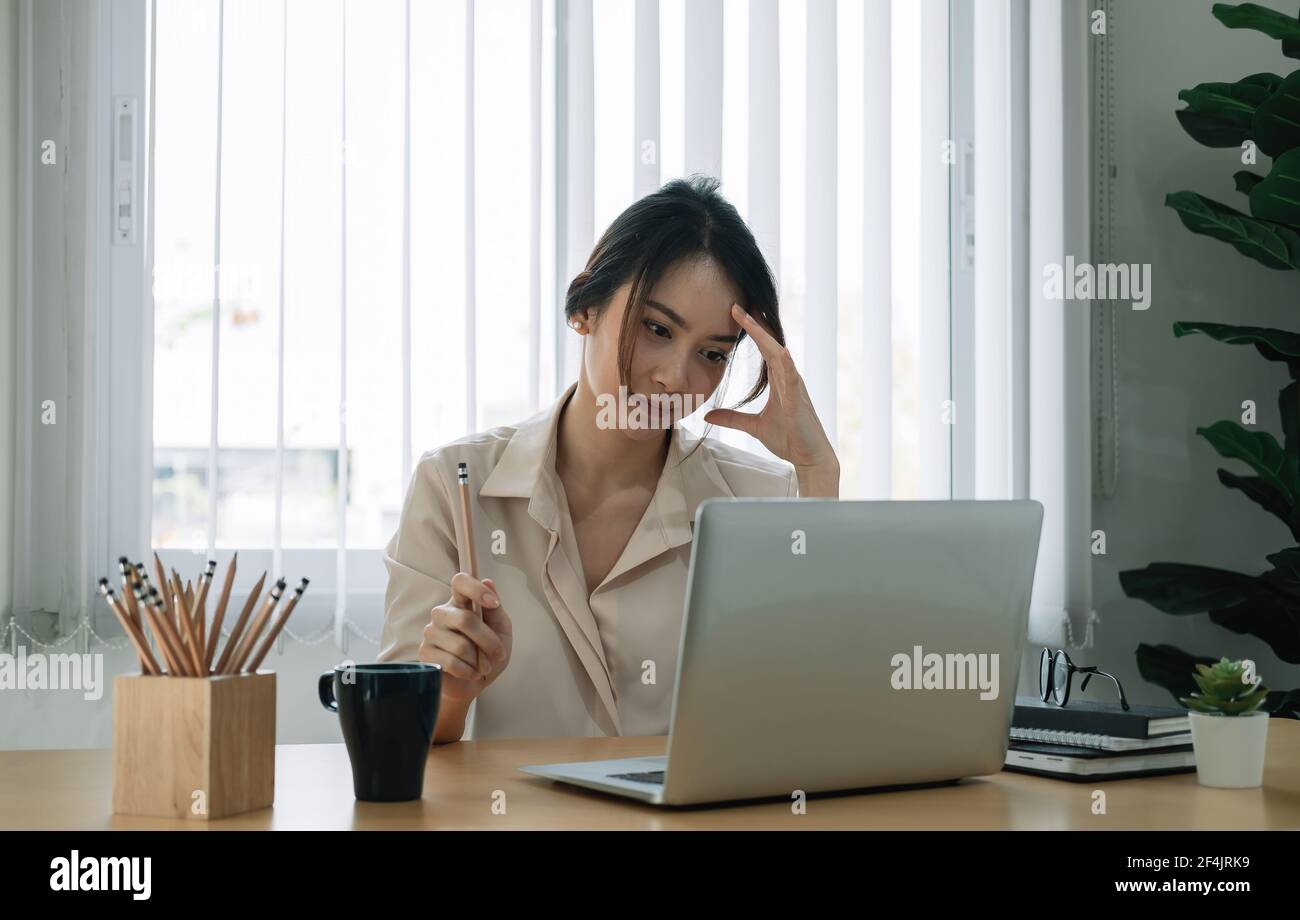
[[388, 711]]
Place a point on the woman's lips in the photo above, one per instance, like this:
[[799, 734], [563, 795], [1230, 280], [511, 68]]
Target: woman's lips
[[666, 407]]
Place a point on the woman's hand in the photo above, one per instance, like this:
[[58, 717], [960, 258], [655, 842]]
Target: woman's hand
[[472, 650], [788, 425]]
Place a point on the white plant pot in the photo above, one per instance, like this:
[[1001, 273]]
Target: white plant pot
[[1229, 749]]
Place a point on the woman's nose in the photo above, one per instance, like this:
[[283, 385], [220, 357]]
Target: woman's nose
[[671, 376]]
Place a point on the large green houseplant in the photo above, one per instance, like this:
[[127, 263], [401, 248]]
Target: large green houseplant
[[1259, 114]]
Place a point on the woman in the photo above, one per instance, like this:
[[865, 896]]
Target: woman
[[583, 513]]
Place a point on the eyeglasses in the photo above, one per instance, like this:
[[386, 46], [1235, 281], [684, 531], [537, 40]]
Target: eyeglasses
[[1055, 672]]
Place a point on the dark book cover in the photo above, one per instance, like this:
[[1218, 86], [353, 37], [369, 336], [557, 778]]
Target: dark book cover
[[1099, 718]]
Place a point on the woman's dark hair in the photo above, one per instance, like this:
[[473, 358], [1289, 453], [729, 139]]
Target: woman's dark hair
[[686, 219]]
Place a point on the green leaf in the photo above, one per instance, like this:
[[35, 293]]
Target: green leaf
[[1245, 180], [1169, 667], [1243, 704], [1258, 449], [1277, 197], [1211, 130], [1276, 128], [1284, 577], [1288, 405], [1284, 704], [1178, 588], [1267, 619], [1223, 114], [1287, 560], [1274, 245], [1260, 18], [1264, 495], [1273, 344], [1224, 110]]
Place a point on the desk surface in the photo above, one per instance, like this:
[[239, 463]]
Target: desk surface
[[73, 789]]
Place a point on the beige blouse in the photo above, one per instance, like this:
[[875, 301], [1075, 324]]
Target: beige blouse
[[586, 666]]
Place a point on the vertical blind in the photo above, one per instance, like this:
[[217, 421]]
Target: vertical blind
[[397, 194], [345, 273]]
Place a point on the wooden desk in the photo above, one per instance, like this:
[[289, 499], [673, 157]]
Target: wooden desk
[[73, 790]]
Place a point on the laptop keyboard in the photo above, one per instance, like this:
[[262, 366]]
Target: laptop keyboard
[[653, 776]]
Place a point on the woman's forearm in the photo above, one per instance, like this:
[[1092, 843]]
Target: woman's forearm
[[451, 721], [819, 483]]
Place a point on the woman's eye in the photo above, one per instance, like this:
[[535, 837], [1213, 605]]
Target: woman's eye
[[713, 357]]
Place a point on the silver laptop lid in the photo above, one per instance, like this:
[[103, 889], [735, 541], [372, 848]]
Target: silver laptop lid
[[839, 644]]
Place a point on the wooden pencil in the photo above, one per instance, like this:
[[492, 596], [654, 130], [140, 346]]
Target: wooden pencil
[[175, 602], [221, 612], [128, 589], [200, 607], [232, 644], [255, 630], [166, 629], [162, 582], [156, 615], [147, 662], [279, 625], [467, 524], [188, 625]]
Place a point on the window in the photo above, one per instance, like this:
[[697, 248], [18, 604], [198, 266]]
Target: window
[[396, 195]]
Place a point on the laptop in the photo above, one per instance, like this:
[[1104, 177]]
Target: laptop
[[835, 645]]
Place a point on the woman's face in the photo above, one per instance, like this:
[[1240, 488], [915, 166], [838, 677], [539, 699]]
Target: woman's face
[[680, 352]]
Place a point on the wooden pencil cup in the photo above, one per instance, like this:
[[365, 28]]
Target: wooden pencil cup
[[193, 747]]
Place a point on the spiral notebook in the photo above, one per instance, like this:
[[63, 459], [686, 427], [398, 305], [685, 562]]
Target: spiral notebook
[[1081, 764], [1091, 740], [1098, 742]]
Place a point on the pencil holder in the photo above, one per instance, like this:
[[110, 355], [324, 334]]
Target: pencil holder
[[193, 747]]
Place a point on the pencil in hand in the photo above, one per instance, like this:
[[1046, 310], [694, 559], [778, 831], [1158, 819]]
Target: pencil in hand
[[467, 524]]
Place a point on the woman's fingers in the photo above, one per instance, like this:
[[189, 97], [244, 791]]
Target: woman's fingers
[[476, 632], [758, 331], [434, 653], [466, 590], [774, 353], [730, 418], [496, 617], [450, 639]]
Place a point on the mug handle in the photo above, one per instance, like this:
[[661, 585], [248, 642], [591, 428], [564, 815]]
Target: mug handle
[[326, 688]]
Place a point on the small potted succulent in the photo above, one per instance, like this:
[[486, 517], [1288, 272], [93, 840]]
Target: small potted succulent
[[1229, 730]]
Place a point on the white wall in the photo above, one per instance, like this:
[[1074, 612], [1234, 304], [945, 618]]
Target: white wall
[[1169, 505]]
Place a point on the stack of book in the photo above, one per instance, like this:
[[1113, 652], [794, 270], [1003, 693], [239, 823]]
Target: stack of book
[[1087, 741]]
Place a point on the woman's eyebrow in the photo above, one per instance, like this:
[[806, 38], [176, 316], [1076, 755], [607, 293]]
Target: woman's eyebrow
[[676, 318]]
